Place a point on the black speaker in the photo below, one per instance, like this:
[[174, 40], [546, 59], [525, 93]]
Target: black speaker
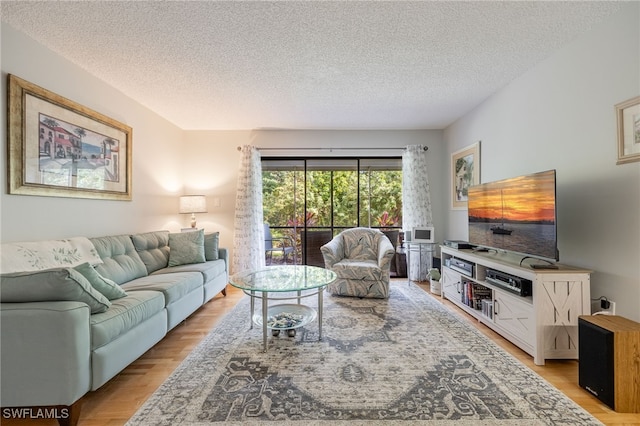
[[596, 361]]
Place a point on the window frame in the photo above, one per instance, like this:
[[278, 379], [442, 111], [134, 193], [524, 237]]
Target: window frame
[[358, 169]]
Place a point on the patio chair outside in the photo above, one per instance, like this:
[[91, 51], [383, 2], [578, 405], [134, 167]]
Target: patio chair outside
[[284, 245]]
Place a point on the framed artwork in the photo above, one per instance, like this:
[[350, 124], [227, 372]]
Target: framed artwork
[[628, 123], [58, 148], [465, 167]]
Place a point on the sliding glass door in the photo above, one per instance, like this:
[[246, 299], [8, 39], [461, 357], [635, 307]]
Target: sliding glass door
[[309, 200]]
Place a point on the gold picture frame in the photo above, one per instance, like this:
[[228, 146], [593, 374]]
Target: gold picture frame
[[628, 126], [59, 148], [465, 172]]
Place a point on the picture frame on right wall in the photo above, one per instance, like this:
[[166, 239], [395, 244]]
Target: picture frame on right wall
[[465, 168], [628, 125]]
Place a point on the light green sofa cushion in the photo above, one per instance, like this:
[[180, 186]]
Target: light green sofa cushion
[[121, 260], [124, 315], [153, 248], [211, 243], [59, 284], [105, 286], [174, 286], [186, 248], [209, 269]]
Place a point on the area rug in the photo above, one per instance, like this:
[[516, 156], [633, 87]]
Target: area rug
[[405, 360]]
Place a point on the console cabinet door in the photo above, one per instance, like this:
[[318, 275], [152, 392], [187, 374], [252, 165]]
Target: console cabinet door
[[515, 316], [562, 299], [451, 284]]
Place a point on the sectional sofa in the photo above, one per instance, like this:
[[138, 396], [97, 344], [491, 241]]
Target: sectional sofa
[[74, 313]]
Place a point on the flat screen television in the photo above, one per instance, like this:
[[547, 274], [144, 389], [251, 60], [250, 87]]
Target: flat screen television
[[517, 214]]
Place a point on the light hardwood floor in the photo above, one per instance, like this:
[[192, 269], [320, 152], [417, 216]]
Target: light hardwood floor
[[115, 402]]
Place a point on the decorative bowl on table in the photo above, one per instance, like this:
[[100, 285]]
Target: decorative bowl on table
[[286, 316]]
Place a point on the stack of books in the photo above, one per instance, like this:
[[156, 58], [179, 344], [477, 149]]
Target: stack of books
[[473, 294], [487, 308]]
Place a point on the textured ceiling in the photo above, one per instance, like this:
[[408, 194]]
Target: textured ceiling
[[306, 65]]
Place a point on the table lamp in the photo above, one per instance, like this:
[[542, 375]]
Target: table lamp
[[193, 204]]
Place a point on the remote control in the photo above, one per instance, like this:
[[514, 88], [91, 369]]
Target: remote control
[[538, 266]]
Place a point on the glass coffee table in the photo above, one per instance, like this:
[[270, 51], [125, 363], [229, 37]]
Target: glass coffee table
[[272, 283]]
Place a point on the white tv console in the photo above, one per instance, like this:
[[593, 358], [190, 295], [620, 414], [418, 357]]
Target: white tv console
[[544, 324]]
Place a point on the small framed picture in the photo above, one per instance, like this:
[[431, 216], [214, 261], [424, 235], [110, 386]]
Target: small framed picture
[[465, 167], [628, 124]]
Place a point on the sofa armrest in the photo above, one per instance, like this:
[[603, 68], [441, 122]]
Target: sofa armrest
[[385, 253], [223, 254], [45, 352], [333, 252]]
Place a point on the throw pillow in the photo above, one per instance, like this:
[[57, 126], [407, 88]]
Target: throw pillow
[[211, 242], [105, 286], [59, 284], [186, 248]]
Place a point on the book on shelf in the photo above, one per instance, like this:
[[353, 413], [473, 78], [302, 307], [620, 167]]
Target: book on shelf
[[473, 294], [487, 308]]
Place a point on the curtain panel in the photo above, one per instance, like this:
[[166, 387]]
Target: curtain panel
[[248, 238], [416, 204]]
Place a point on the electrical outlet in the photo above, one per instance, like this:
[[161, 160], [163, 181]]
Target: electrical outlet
[[596, 308]]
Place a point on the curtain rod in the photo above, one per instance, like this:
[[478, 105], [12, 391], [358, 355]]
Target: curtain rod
[[425, 148]]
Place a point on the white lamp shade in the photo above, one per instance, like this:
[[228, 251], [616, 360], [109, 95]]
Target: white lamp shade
[[193, 204]]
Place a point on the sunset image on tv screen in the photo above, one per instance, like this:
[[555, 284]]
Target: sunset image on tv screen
[[517, 214]]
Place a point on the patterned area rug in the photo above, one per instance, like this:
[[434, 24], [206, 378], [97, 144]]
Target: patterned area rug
[[405, 360]]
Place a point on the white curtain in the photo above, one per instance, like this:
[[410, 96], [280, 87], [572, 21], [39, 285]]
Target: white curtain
[[248, 239], [416, 205]]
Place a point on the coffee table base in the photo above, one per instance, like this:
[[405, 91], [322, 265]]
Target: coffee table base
[[308, 313], [279, 283]]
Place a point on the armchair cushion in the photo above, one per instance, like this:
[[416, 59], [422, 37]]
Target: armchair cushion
[[361, 245], [358, 270]]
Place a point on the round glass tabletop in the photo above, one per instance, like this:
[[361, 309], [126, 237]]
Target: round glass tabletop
[[283, 278]]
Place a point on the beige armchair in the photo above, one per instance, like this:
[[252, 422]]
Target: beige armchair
[[361, 257]]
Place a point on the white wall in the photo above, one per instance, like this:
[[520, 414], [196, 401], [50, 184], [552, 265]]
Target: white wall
[[157, 152], [560, 115], [167, 161], [212, 162]]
